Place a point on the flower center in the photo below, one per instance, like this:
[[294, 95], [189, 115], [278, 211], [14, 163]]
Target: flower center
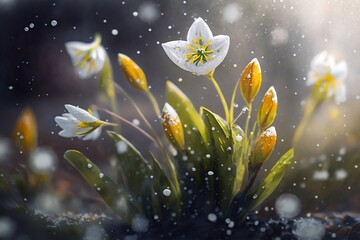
[[326, 83], [200, 53]]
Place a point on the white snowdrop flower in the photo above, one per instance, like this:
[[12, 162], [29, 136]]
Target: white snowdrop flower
[[79, 123], [288, 205], [321, 175], [328, 76], [88, 58], [309, 229], [43, 160], [202, 52]]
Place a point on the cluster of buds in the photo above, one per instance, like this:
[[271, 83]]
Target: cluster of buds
[[250, 83]]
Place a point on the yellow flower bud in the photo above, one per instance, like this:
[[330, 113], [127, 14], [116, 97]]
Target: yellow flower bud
[[133, 73], [263, 147], [268, 108], [172, 127], [250, 81], [25, 131]]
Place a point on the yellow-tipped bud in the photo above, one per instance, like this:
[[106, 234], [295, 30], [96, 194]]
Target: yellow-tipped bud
[[172, 127], [264, 146], [133, 73], [25, 131], [268, 109], [250, 81]]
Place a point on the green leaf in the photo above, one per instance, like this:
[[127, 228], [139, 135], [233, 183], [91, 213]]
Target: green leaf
[[223, 162], [188, 115], [271, 181], [136, 169], [196, 138], [117, 198], [162, 205]]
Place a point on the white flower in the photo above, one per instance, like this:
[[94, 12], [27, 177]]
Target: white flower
[[329, 76], [79, 123], [202, 52], [88, 58]]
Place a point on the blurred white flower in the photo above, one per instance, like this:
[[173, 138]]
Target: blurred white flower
[[43, 160], [202, 52], [88, 58], [328, 76], [232, 12], [149, 12], [288, 205], [79, 123]]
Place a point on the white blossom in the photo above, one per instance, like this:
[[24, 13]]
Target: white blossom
[[329, 75], [201, 52], [79, 123], [88, 58]]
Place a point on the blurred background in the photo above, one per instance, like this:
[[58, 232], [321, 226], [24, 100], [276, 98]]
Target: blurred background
[[36, 72]]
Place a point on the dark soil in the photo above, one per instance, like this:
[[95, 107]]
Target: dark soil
[[73, 226]]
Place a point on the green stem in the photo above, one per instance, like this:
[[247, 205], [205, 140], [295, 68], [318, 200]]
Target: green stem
[[245, 153], [231, 113], [154, 103], [221, 95], [252, 134], [248, 119], [130, 123], [309, 110], [157, 139], [97, 40], [107, 84]]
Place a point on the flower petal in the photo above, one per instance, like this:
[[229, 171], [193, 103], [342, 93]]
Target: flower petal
[[340, 95], [66, 134], [176, 51], [74, 48], [312, 78], [93, 135], [99, 56], [197, 29], [340, 70], [321, 63], [80, 114], [66, 123]]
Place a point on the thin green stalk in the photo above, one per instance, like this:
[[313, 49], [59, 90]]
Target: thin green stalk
[[309, 110], [252, 134], [170, 166], [247, 142], [154, 103], [221, 95], [231, 113], [130, 123], [107, 84]]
